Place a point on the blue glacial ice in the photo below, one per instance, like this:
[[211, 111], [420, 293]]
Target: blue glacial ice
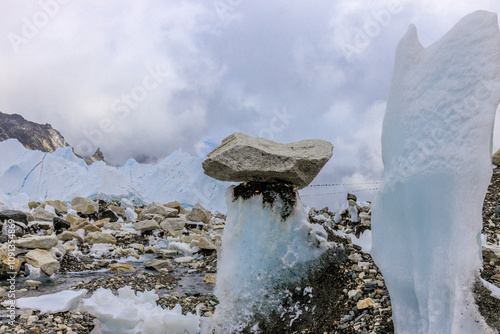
[[436, 148]]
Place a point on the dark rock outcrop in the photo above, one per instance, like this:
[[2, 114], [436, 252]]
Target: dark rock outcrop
[[32, 135]]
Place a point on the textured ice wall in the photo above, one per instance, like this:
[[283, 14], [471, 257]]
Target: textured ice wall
[[260, 249], [436, 148]]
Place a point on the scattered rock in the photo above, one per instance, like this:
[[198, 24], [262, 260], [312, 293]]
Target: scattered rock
[[42, 259], [33, 204], [184, 259], [99, 238], [206, 244], [15, 215], [160, 265], [146, 225], [243, 158], [491, 254], [68, 235], [157, 208], [365, 303], [32, 283], [35, 241], [60, 224], [176, 205], [210, 278], [118, 210], [351, 197], [496, 158], [101, 223], [58, 205], [84, 205], [82, 223], [113, 226], [109, 214], [199, 214], [41, 214], [173, 224], [121, 267]]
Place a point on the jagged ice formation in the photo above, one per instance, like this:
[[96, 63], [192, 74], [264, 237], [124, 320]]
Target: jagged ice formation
[[436, 147]]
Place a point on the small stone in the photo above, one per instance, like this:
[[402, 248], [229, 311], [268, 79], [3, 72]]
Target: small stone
[[354, 294], [110, 215], [60, 224], [210, 278], [199, 214], [160, 264], [118, 210], [146, 225], [15, 215], [58, 205], [173, 223], [351, 197], [365, 303], [99, 238], [42, 259], [121, 267], [31, 319], [35, 241], [206, 244], [41, 214], [184, 259], [113, 226], [68, 235], [32, 283], [176, 205], [84, 205], [156, 208]]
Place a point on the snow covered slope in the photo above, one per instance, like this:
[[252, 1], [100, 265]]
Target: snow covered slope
[[36, 175], [436, 139]]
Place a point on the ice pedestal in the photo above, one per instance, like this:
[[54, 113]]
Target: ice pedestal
[[436, 148], [267, 241]]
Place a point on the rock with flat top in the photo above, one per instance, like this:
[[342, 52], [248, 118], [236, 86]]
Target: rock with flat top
[[42, 259], [157, 208], [36, 241], [84, 205], [243, 158]]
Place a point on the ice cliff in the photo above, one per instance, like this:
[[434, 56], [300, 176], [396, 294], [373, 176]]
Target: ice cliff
[[267, 250], [35, 175], [436, 148]]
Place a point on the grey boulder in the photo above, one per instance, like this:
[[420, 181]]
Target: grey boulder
[[243, 158]]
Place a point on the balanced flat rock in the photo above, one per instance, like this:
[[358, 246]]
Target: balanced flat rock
[[243, 158]]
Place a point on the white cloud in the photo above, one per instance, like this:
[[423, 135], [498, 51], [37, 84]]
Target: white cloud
[[275, 69]]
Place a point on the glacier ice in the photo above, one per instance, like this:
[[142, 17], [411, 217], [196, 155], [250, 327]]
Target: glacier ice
[[260, 250], [35, 175], [436, 149], [137, 313], [62, 301]]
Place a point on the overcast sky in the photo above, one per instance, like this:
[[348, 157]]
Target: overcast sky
[[143, 78]]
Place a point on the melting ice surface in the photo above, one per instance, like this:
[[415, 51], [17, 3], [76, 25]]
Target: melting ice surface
[[436, 148], [131, 313], [260, 251], [37, 175], [57, 302]]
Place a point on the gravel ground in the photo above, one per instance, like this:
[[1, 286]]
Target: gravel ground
[[340, 285]]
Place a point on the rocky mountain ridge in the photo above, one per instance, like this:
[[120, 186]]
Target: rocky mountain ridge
[[35, 136]]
